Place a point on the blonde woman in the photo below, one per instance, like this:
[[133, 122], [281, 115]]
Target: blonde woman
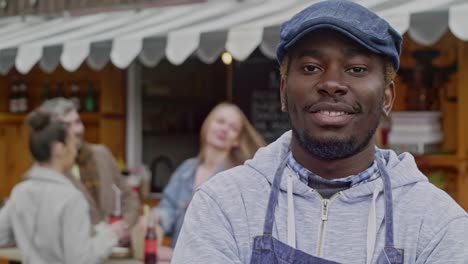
[[227, 139]]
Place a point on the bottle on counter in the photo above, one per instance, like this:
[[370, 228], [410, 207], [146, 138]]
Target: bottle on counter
[[151, 240], [114, 217], [116, 214]]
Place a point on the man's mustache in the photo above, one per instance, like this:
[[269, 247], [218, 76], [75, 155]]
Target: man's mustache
[[339, 106]]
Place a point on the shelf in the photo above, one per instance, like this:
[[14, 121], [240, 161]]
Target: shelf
[[12, 117], [90, 117], [438, 160], [6, 117]]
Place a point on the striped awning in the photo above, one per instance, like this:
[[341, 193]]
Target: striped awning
[[205, 30]]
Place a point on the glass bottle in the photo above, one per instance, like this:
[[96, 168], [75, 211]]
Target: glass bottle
[[90, 99], [60, 91], [22, 98], [114, 217], [116, 214], [75, 96], [45, 92], [13, 98], [151, 242]]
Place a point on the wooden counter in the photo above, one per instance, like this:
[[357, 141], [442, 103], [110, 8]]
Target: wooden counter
[[13, 254]]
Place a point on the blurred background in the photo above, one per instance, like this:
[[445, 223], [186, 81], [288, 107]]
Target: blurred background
[[145, 73]]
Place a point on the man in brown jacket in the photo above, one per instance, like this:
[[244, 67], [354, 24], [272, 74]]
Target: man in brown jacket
[[96, 172]]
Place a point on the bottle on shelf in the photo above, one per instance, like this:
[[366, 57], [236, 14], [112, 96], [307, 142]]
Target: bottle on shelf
[[45, 93], [151, 240], [60, 91], [22, 100], [75, 96], [13, 98], [90, 99]]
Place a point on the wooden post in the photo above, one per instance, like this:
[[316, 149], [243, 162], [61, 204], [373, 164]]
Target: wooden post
[[462, 121], [229, 69]]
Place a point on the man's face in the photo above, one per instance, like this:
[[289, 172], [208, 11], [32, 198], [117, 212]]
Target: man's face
[[335, 95], [74, 123], [69, 151]]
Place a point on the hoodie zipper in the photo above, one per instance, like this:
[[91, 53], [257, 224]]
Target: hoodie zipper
[[325, 205]]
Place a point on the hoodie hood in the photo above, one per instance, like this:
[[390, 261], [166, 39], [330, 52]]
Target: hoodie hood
[[30, 192], [43, 174], [402, 169]]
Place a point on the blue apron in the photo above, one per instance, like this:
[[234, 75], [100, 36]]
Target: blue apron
[[268, 250]]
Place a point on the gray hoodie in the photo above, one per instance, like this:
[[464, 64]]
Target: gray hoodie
[[228, 211]]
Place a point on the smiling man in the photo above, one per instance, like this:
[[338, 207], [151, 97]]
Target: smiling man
[[324, 193]]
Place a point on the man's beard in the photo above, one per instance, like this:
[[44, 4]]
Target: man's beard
[[79, 141], [333, 149]]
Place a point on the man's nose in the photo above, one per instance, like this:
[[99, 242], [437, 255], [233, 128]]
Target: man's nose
[[332, 84]]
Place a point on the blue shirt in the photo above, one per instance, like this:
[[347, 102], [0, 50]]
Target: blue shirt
[[368, 175], [177, 196]]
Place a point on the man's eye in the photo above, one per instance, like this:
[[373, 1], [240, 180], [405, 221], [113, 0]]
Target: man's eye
[[310, 68], [357, 70]]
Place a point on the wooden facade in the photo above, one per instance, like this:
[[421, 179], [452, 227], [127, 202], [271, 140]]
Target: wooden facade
[[105, 126], [453, 102]]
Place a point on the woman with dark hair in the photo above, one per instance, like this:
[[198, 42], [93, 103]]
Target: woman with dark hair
[[46, 216]]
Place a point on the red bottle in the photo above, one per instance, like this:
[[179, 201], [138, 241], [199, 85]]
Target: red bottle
[[151, 244], [114, 218], [116, 215]]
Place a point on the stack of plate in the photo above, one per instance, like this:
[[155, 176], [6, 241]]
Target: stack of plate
[[418, 132]]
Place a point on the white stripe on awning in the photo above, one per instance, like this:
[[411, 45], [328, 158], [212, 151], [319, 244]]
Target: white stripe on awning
[[458, 21], [243, 39], [127, 47], [203, 29], [182, 43]]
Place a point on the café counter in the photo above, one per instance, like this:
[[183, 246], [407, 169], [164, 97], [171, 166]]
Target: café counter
[[13, 256]]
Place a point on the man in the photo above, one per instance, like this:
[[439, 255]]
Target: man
[[96, 172], [324, 193]]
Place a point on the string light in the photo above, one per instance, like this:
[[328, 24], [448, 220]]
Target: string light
[[226, 58]]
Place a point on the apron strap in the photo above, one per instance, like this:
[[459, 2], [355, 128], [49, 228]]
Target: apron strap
[[387, 188], [291, 214], [273, 199]]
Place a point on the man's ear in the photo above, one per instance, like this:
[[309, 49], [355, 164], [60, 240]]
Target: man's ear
[[283, 94], [389, 98]]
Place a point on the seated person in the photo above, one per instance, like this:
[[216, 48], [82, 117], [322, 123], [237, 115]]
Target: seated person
[[46, 215]]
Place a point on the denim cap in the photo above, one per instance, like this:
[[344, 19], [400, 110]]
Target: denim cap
[[348, 18]]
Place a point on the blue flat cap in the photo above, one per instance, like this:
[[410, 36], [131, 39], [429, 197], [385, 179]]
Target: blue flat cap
[[351, 19]]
